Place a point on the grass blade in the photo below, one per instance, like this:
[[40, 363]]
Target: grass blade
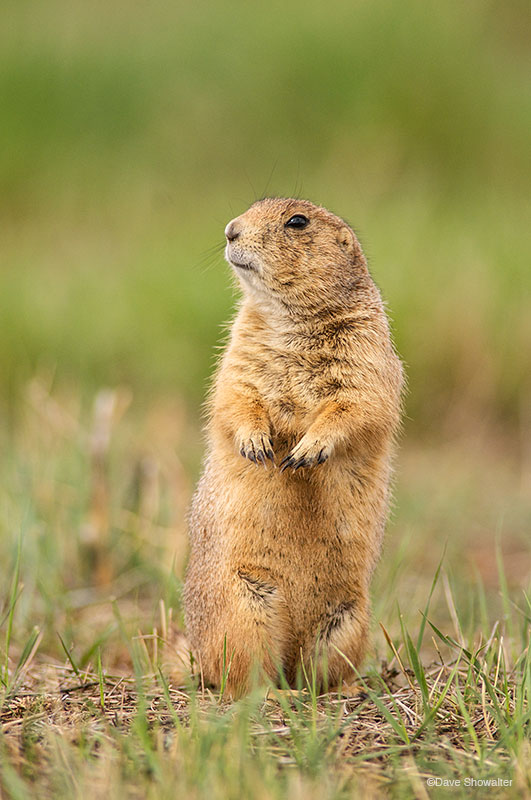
[[69, 657], [427, 608]]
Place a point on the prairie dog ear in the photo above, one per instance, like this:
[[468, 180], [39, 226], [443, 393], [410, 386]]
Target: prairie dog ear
[[345, 239]]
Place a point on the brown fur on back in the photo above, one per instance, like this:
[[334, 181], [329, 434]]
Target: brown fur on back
[[282, 551]]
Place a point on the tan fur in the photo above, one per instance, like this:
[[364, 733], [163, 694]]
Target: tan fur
[[282, 552]]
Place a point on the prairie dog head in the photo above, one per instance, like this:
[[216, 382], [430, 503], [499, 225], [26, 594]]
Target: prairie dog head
[[294, 254]]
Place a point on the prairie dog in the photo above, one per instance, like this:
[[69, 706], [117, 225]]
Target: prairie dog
[[287, 520]]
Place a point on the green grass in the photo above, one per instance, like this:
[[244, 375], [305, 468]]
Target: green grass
[[85, 705]]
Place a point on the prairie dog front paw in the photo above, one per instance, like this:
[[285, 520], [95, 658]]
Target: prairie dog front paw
[[308, 452], [257, 447]]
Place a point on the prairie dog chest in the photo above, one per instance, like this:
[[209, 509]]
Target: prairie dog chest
[[292, 381]]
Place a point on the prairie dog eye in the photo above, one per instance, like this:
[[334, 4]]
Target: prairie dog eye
[[297, 221]]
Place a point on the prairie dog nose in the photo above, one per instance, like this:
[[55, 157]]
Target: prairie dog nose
[[233, 230]]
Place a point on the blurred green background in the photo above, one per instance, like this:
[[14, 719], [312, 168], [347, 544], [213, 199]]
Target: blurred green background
[[131, 133]]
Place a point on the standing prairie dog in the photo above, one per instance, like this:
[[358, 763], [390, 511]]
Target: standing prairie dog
[[287, 521]]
